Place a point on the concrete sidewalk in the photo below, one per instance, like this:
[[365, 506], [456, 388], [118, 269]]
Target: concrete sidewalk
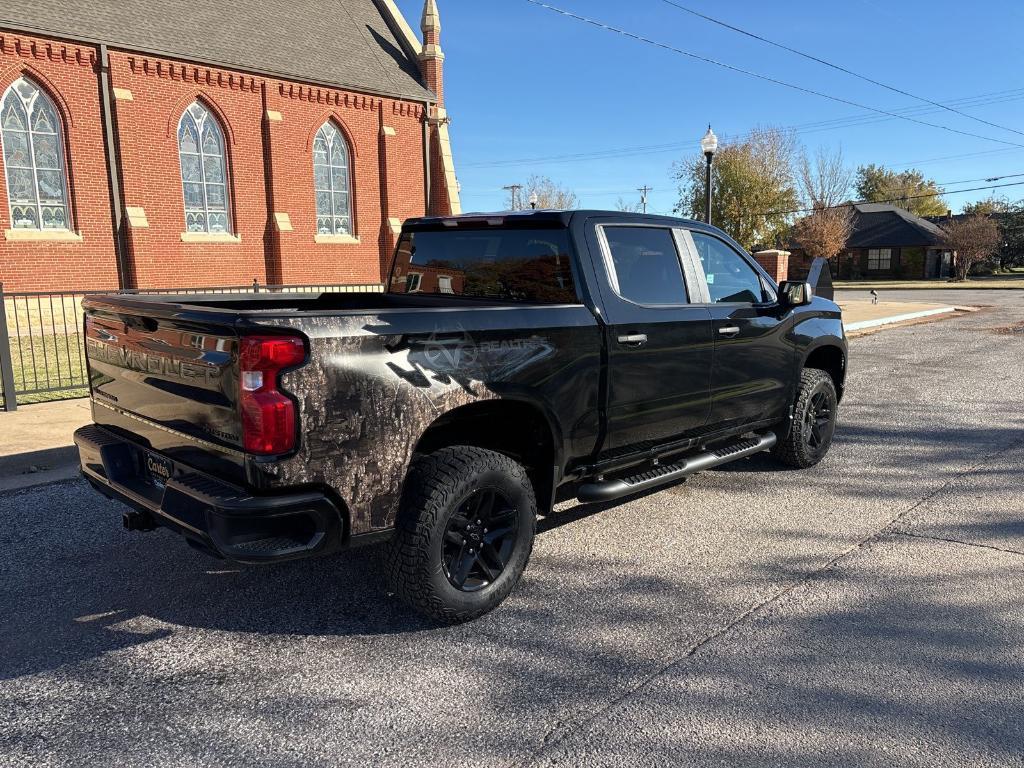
[[863, 315], [36, 442]]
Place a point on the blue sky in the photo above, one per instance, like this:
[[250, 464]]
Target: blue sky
[[525, 84]]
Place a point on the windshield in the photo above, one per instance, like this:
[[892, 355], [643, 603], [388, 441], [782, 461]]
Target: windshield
[[523, 265]]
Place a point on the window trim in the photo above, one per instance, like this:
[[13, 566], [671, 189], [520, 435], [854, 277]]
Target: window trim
[[609, 263], [419, 282], [189, 235], [352, 233], [888, 260], [67, 232], [763, 277]]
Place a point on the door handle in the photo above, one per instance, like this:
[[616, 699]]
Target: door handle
[[633, 339], [729, 330]]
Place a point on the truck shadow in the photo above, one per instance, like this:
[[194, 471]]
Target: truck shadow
[[70, 595]]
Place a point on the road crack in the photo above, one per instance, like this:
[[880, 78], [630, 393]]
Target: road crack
[[565, 727], [957, 541]]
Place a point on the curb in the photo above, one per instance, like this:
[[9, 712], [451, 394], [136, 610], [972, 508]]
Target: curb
[[24, 470], [863, 324]]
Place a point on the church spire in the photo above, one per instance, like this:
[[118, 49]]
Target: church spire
[[432, 57]]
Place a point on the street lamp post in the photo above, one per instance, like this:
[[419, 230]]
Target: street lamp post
[[708, 146]]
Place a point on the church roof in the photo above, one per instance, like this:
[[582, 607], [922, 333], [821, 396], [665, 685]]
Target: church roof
[[352, 44]]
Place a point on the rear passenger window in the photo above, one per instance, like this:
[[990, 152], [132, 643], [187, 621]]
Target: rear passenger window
[[730, 278], [646, 265]]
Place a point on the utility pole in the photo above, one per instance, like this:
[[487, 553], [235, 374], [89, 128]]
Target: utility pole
[[513, 189], [644, 190]]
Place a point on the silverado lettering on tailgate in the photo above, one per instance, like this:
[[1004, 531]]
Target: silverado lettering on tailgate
[[136, 360]]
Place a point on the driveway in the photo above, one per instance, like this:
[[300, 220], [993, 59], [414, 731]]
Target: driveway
[[865, 612]]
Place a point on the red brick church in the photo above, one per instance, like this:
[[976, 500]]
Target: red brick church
[[181, 143]]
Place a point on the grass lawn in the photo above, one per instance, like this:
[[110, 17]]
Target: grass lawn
[[46, 351], [45, 362]]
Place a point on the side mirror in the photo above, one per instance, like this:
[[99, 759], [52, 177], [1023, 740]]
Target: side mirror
[[794, 293]]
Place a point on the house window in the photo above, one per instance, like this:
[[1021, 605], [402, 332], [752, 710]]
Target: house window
[[879, 258], [412, 282], [331, 181], [33, 155], [203, 171], [444, 284]]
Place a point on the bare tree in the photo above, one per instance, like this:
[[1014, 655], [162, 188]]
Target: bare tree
[[974, 238], [826, 179], [550, 195], [824, 184], [627, 207], [825, 232]]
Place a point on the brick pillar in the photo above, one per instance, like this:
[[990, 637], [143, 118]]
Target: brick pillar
[[775, 263]]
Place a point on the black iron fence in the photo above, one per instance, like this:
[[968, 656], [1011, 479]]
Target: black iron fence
[[41, 348]]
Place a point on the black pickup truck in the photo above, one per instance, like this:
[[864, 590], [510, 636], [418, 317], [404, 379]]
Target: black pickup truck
[[514, 360]]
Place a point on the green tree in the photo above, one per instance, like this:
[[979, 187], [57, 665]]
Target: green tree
[[987, 206], [877, 184], [753, 186]]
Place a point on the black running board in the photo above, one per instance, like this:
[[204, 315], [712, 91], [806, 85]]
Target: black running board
[[606, 490]]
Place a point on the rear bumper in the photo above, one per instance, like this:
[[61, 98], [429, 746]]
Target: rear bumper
[[225, 520]]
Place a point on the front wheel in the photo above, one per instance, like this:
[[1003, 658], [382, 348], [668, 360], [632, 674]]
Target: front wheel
[[464, 534], [814, 421]]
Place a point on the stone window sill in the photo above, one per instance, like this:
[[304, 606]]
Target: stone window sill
[[210, 237], [337, 239], [43, 235]]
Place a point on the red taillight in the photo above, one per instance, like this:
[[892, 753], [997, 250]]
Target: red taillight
[[268, 416]]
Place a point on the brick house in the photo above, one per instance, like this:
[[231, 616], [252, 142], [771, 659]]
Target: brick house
[[887, 242], [202, 144]]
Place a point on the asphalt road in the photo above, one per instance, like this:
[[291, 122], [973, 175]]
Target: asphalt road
[[980, 297], [865, 612]]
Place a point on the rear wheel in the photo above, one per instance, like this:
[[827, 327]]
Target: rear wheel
[[464, 533], [814, 421]]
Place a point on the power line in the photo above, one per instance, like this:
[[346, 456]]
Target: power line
[[799, 128], [838, 67], [894, 200], [622, 192], [759, 76]]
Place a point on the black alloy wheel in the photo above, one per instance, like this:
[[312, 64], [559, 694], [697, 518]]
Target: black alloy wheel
[[817, 420], [464, 532], [806, 441], [479, 539]]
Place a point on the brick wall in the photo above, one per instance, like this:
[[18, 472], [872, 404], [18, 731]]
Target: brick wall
[[67, 73], [268, 126]]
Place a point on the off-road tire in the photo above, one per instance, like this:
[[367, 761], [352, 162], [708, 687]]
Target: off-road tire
[[436, 487], [797, 449]]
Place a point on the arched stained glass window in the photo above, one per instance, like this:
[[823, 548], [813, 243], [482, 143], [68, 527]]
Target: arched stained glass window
[[331, 181], [33, 155], [203, 171]]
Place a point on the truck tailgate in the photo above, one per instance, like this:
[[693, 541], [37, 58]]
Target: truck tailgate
[[181, 376]]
